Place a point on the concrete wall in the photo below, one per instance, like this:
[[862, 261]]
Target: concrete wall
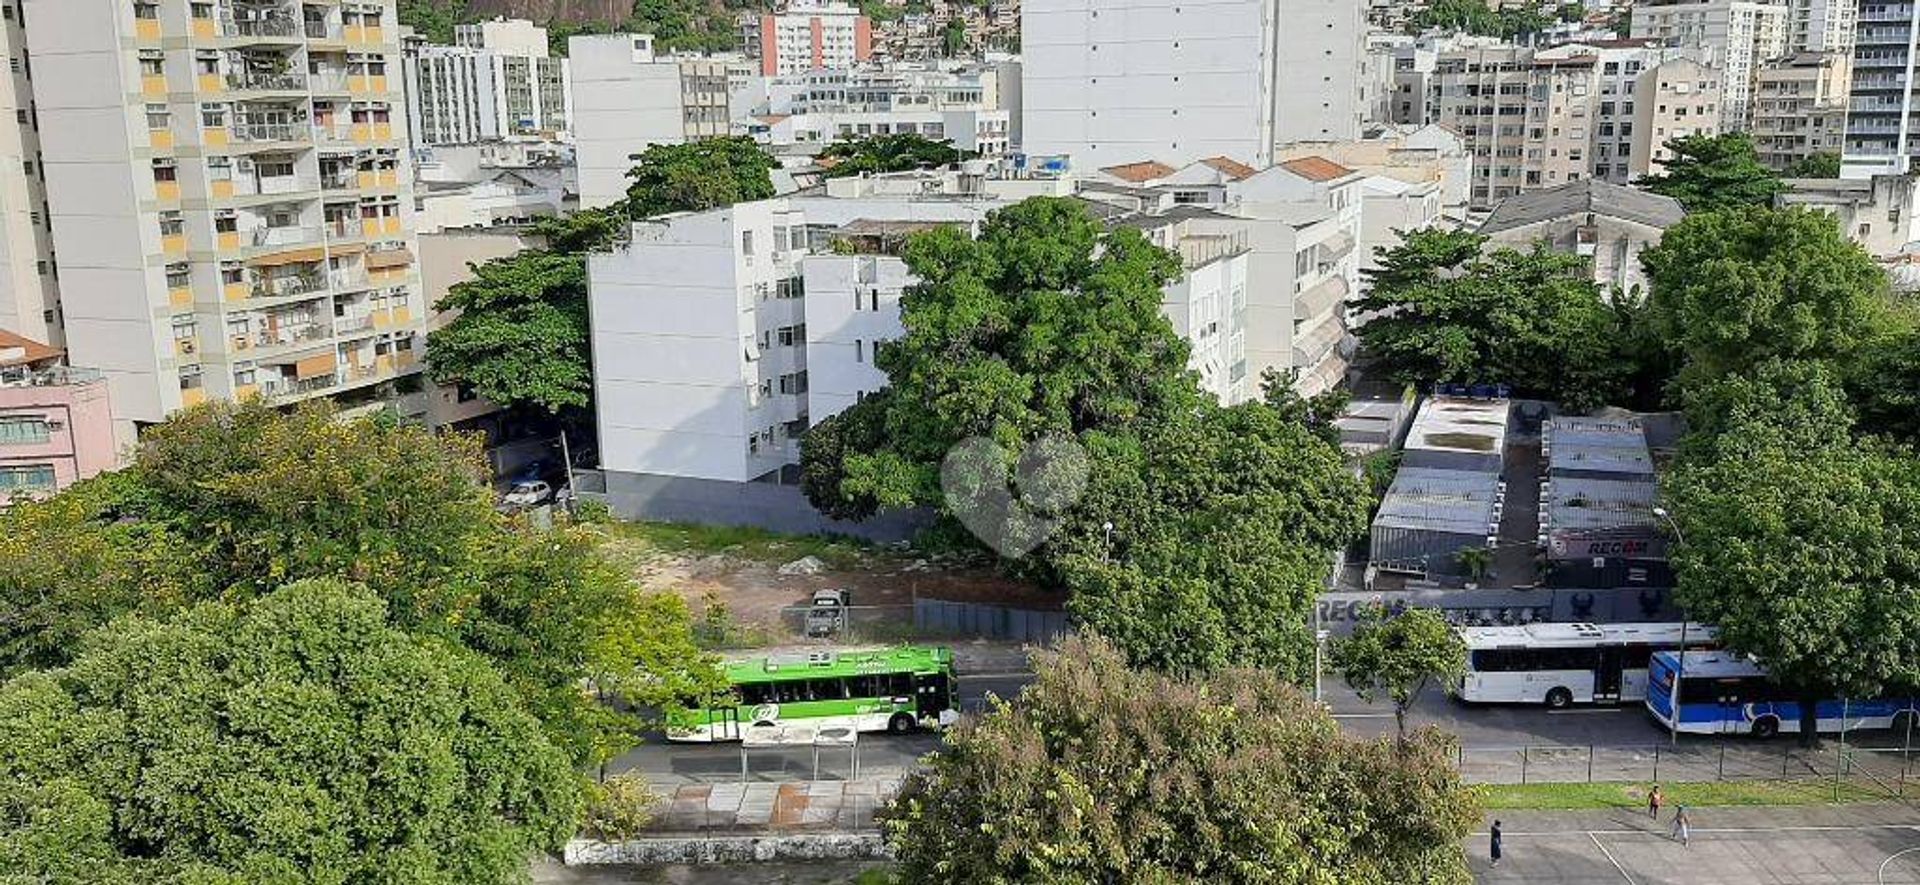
[[623, 100], [852, 304], [779, 508]]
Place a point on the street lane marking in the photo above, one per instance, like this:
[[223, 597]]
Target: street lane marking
[[1609, 854], [1588, 712]]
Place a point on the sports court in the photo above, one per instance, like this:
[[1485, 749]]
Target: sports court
[[1844, 845]]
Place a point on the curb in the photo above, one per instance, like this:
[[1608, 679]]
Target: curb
[[717, 850]]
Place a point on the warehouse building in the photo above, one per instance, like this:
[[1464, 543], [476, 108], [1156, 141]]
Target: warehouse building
[[1456, 433], [1430, 515], [1595, 448]]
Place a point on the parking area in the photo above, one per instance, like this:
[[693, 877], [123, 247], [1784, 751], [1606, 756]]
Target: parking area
[[1834, 845]]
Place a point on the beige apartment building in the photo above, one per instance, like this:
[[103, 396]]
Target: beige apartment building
[[230, 197], [1738, 36], [1800, 107], [1679, 97], [29, 291]]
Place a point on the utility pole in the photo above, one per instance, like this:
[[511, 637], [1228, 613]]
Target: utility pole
[[566, 456], [1679, 677]]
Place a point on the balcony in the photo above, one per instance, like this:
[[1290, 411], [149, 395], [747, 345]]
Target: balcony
[[333, 134], [284, 337], [265, 133], [344, 180], [271, 26], [347, 280], [350, 325], [282, 387], [290, 235], [327, 81], [316, 30], [262, 81]]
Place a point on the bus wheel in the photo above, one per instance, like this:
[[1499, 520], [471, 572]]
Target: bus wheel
[[1559, 699], [1766, 727], [901, 723]]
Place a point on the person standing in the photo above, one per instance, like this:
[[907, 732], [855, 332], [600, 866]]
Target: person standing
[[1653, 802], [1682, 826], [1493, 843]]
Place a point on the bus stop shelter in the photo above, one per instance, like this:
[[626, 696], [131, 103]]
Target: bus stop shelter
[[789, 737]]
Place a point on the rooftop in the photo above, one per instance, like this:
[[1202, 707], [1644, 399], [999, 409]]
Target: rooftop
[[1596, 446], [1583, 197], [1140, 173], [1586, 504], [19, 350], [1316, 169], [1229, 167], [1452, 424], [1451, 501]]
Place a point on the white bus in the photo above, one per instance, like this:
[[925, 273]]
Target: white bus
[[1564, 664]]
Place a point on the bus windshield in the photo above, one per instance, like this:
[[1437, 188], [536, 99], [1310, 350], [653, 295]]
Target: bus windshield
[[1723, 693]]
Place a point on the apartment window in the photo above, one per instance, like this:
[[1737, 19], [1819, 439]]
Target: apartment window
[[147, 11], [243, 377], [172, 224], [226, 222], [179, 276], [746, 242], [232, 272], [794, 383], [153, 63], [27, 478], [20, 116], [190, 378], [24, 432], [158, 117], [792, 335], [219, 168], [164, 169], [859, 351], [201, 11]]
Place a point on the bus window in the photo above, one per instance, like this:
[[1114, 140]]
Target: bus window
[[753, 694], [826, 690]]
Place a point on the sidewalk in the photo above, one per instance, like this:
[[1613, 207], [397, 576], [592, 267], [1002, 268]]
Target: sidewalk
[[796, 807], [1801, 845]]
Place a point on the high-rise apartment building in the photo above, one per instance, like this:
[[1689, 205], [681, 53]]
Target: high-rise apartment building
[[479, 92], [627, 98], [29, 289], [1738, 36], [1800, 107], [1880, 129], [1822, 25], [229, 194], [1111, 82], [809, 35]]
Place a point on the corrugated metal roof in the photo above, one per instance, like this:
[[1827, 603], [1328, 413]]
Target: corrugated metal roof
[[1586, 196], [1453, 501], [1596, 445], [1581, 503]]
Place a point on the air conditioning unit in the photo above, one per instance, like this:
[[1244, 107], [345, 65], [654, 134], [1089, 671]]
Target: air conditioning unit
[[187, 345]]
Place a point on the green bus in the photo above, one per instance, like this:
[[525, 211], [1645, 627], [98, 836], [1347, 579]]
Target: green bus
[[896, 689]]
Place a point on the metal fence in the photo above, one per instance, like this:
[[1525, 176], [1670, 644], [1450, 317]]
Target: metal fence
[[972, 619], [1889, 770]]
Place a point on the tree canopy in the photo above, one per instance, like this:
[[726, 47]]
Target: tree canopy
[[1478, 18], [1099, 773], [296, 737], [1825, 164], [1199, 533], [699, 175], [520, 337], [1711, 172], [1446, 312], [889, 153], [1734, 289], [1397, 655], [231, 501]]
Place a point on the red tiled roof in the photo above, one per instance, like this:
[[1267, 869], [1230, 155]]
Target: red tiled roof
[[32, 351], [1138, 173], [1229, 167], [1316, 168]]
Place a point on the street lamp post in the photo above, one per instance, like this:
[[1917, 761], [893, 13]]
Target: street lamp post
[[1681, 673]]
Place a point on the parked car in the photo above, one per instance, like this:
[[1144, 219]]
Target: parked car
[[827, 616], [529, 494]]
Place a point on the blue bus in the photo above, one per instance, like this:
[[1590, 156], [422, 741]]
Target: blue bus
[[1723, 693]]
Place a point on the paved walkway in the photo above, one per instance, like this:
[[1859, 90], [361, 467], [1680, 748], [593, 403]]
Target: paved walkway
[[828, 806], [1814, 845]]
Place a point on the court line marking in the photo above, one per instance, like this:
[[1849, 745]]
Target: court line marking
[[1363, 715], [1808, 828], [1616, 864]]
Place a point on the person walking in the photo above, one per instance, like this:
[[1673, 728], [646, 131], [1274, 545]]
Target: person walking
[[1493, 843], [1682, 826], [1653, 802]]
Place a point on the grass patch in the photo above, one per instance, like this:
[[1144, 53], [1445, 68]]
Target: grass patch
[[744, 542], [1634, 795]]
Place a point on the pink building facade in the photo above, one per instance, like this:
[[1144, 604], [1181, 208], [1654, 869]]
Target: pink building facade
[[55, 429]]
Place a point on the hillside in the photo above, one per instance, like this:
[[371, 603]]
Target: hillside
[[677, 24]]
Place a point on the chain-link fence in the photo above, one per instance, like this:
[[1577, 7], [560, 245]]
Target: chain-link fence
[[1892, 771]]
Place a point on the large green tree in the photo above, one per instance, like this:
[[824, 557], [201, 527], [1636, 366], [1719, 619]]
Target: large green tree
[[1194, 535], [295, 738], [699, 175], [889, 153], [1445, 312], [1397, 655], [1825, 164], [1712, 172], [1805, 556], [1101, 773], [231, 501], [520, 335], [1733, 289]]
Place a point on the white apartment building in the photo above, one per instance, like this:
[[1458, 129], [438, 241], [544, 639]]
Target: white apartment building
[[870, 89], [809, 35], [230, 197], [1420, 155], [1800, 107], [1738, 35], [507, 36], [1304, 266], [627, 98], [980, 131], [1880, 127], [1822, 25], [1207, 305], [1109, 82], [852, 305], [29, 285], [457, 95], [699, 344]]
